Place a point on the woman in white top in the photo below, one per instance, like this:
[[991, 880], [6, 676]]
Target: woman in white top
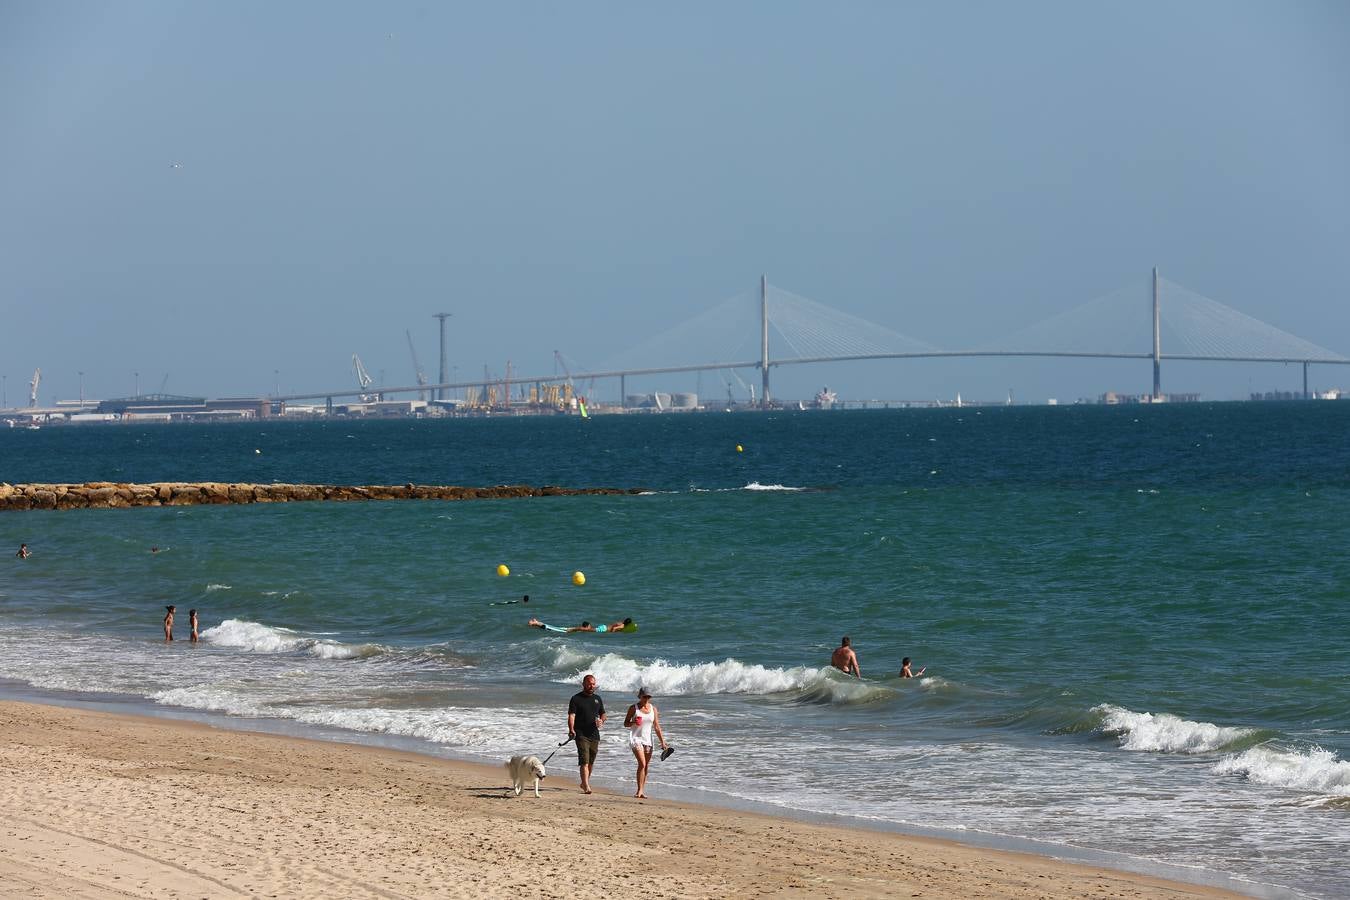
[[641, 721]]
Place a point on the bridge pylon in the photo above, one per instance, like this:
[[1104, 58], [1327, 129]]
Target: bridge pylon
[[764, 341], [1157, 343]]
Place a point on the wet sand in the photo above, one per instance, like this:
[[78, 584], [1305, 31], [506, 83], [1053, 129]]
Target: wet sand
[[101, 805]]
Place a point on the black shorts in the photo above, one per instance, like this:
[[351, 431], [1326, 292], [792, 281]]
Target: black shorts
[[586, 750]]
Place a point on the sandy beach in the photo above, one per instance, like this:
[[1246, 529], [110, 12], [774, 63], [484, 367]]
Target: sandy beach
[[101, 805]]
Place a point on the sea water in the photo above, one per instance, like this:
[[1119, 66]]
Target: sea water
[[1134, 619]]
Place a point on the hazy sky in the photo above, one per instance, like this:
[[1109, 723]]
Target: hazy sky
[[219, 191]]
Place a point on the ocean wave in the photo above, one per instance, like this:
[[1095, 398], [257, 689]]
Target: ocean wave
[[256, 637], [730, 676], [1315, 770], [1166, 733], [756, 486], [219, 587]]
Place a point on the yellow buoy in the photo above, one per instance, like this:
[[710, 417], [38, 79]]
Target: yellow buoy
[[740, 449], [578, 578], [503, 571]]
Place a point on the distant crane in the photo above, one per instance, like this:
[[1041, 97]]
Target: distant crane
[[32, 388], [363, 379], [558, 358], [745, 387], [562, 361], [417, 366]]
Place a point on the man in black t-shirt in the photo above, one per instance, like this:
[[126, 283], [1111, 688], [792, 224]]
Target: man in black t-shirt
[[585, 715]]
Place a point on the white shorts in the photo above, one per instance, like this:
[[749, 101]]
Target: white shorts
[[635, 743]]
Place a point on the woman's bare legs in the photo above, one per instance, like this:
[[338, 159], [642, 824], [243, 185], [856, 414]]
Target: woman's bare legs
[[644, 758]]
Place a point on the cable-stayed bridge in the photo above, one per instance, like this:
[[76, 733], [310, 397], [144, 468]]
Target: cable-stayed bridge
[[773, 327]]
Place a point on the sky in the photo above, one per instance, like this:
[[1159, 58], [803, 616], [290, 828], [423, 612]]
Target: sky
[[230, 199]]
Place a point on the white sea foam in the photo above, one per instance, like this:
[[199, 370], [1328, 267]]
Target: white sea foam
[[1166, 733], [1316, 770], [476, 728], [256, 637], [756, 486], [730, 676], [219, 587]]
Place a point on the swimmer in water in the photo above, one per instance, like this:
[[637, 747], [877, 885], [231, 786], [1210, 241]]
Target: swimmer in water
[[525, 599], [192, 624], [906, 673], [584, 626], [844, 659], [626, 626], [24, 552], [168, 623]]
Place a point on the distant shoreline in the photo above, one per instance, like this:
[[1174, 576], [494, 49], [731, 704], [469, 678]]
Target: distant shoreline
[[119, 495]]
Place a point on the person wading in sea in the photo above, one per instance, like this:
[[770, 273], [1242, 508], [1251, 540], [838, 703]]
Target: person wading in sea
[[845, 660]]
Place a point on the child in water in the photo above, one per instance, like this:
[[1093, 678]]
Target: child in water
[[192, 624], [168, 624], [906, 673]]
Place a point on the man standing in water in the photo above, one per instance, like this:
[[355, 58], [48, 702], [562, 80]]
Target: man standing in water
[[845, 660], [585, 715]]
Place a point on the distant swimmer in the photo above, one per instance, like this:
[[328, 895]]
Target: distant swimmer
[[24, 552], [627, 626], [584, 626], [168, 623], [845, 660], [192, 624], [906, 673], [525, 599], [154, 549]]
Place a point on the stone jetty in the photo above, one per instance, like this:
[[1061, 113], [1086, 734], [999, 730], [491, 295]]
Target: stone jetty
[[109, 495]]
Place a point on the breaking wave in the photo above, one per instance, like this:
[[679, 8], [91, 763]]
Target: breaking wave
[[1315, 770], [730, 676], [1166, 733], [255, 637]]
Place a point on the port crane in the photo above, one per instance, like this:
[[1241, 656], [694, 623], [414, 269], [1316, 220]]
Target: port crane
[[417, 367], [32, 388], [745, 387], [363, 379]]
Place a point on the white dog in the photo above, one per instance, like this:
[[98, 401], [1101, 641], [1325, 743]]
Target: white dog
[[521, 768]]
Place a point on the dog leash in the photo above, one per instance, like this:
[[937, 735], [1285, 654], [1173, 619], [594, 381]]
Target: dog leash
[[556, 749]]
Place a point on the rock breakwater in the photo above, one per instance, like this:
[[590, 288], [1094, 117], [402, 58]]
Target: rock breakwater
[[113, 495]]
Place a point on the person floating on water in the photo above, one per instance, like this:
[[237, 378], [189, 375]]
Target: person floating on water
[[906, 673], [24, 552], [525, 599], [844, 659], [192, 624], [627, 626], [168, 623]]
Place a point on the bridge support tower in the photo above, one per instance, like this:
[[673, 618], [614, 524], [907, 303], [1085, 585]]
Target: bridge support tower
[[1157, 349], [764, 341], [440, 392]]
